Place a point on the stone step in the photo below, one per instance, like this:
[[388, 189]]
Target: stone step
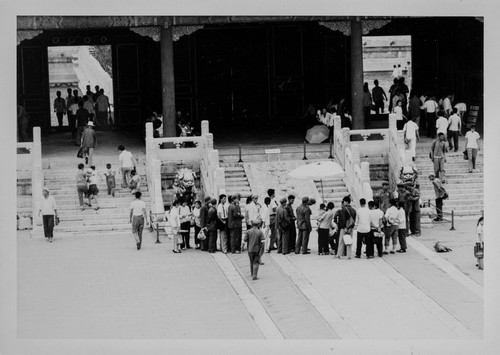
[[91, 214], [93, 222], [103, 192], [89, 228]]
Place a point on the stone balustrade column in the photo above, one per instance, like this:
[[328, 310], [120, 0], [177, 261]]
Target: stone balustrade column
[[204, 128], [149, 141], [365, 171], [393, 121], [337, 123], [209, 141], [356, 160]]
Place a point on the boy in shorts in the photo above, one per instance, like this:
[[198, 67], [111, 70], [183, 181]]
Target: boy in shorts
[[110, 180]]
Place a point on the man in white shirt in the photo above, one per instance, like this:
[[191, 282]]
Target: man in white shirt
[[253, 209], [362, 226], [391, 230], [376, 225], [138, 216], [411, 136], [48, 210], [472, 146], [430, 107], [441, 124], [447, 105], [127, 164], [400, 71], [395, 73], [454, 128], [222, 216]]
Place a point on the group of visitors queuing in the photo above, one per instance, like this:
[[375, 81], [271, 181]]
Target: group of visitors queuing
[[93, 106]]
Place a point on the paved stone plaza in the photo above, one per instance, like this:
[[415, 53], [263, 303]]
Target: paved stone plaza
[[101, 287]]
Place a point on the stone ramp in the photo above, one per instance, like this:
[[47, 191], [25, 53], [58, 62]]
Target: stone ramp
[[290, 310]]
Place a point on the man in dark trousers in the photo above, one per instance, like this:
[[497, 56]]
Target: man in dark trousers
[[234, 218], [204, 221], [292, 231], [414, 210], [273, 206], [82, 119], [212, 225], [255, 239], [282, 225], [304, 226]]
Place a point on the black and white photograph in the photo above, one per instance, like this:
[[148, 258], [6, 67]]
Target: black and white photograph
[[209, 178]]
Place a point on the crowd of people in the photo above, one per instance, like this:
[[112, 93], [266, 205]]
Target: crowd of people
[[92, 107]]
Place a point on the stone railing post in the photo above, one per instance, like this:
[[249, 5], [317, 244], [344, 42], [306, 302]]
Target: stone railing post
[[36, 176], [337, 124], [204, 128], [393, 121], [149, 141], [209, 141], [356, 160], [156, 196]]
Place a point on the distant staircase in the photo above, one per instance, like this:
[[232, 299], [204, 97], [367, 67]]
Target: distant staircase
[[465, 189], [334, 190], [236, 180], [113, 215]]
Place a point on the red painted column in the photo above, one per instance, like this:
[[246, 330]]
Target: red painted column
[[168, 80], [358, 115]]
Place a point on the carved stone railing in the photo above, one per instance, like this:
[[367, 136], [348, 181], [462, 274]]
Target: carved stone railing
[[179, 149], [396, 151]]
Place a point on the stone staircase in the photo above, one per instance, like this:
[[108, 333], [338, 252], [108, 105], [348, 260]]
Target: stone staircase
[[236, 180], [465, 189], [334, 190], [113, 215]]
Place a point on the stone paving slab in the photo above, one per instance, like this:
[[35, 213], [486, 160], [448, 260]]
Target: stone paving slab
[[92, 287], [286, 305]]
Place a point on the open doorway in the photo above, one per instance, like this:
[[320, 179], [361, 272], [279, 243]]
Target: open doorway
[[386, 58], [80, 68]]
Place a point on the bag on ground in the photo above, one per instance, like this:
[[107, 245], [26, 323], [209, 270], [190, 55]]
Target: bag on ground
[[440, 248]]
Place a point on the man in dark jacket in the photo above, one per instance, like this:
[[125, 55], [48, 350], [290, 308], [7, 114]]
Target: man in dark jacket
[[342, 219], [255, 239], [204, 221], [212, 225], [82, 118], [304, 226], [414, 202], [282, 227], [292, 231], [234, 218]]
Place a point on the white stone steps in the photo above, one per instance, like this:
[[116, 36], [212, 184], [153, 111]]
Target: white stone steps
[[91, 228]]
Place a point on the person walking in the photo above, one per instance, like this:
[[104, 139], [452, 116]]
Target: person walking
[[441, 194], [138, 217], [82, 187], [414, 108], [442, 124], [59, 107], [234, 222], [325, 224], [376, 231], [204, 222], [472, 147], [362, 226], [438, 156], [411, 136], [391, 217], [110, 180], [48, 212], [273, 206], [82, 119], [255, 242], [304, 226], [127, 164], [93, 190], [345, 222], [379, 97], [103, 108], [265, 218], [431, 107], [454, 129], [89, 142], [69, 113], [88, 104]]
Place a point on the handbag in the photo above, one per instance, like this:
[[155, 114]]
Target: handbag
[[180, 240], [201, 234], [347, 239], [466, 155], [478, 250], [56, 221], [39, 221], [79, 154]]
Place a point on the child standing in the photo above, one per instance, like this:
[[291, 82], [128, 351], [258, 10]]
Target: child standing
[[110, 180], [402, 227]]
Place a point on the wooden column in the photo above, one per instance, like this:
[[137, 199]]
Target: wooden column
[[168, 80], [358, 116]]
